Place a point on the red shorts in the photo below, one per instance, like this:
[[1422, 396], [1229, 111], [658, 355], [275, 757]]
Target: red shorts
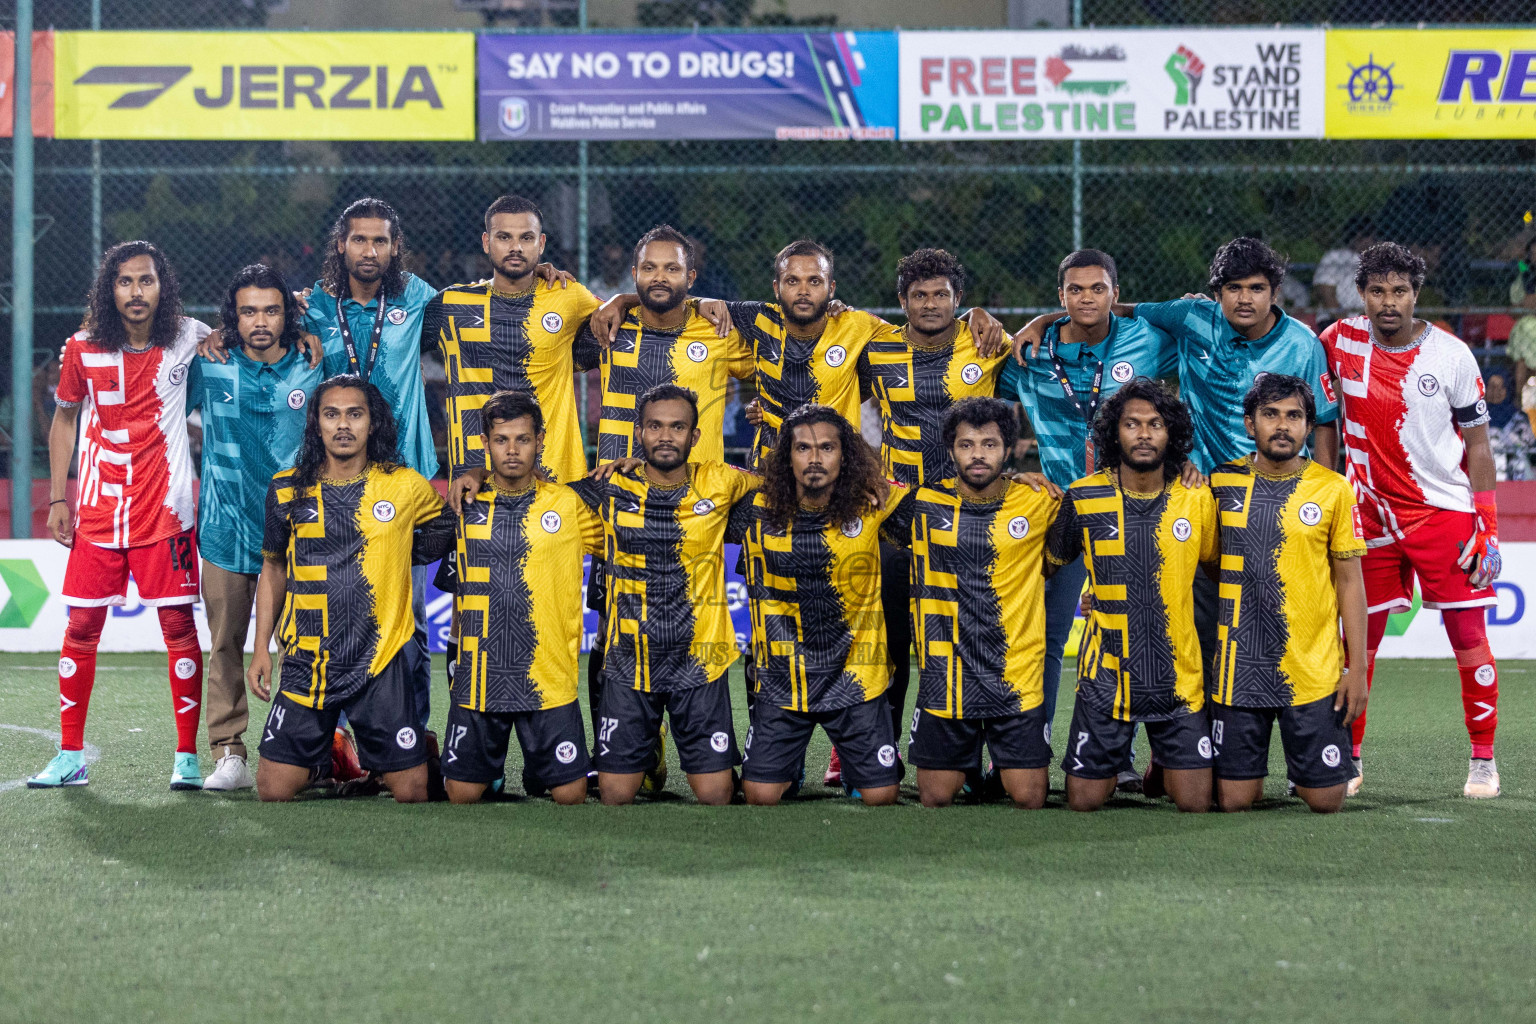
[[166, 572], [1430, 553]]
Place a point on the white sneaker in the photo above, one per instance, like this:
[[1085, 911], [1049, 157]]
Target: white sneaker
[[1353, 786], [232, 773], [1482, 779]]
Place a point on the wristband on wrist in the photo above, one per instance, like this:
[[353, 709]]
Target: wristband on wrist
[[1487, 507], [58, 501]]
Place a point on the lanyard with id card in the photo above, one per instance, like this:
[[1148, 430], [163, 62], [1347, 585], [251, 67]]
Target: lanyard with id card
[[1093, 401], [364, 371]]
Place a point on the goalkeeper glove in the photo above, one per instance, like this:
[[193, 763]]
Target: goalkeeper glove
[[1480, 558]]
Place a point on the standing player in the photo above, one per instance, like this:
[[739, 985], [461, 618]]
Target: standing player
[[669, 637], [818, 632], [253, 420], [518, 601], [1416, 436], [344, 527], [515, 332], [128, 366], [1290, 541], [977, 613], [1143, 534]]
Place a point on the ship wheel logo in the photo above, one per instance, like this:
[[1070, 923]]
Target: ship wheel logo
[[1371, 82]]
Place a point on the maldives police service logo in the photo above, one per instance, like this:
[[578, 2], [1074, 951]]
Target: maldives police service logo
[[886, 755], [1332, 756], [383, 511], [1018, 527], [852, 529], [552, 322], [395, 316], [550, 521], [296, 399], [178, 373], [1428, 385], [719, 742], [405, 739], [1121, 372], [835, 355], [703, 507], [1311, 513], [698, 351], [565, 752], [971, 373], [1181, 529], [1484, 675], [512, 116]]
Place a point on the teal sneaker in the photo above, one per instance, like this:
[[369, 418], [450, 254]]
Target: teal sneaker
[[66, 769], [186, 774]]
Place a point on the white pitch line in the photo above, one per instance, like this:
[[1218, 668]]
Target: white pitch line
[[92, 752]]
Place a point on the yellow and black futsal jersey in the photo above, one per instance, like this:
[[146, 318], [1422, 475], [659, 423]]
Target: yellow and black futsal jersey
[[1279, 624], [669, 627], [818, 632], [791, 371], [1139, 659], [519, 596], [530, 341], [692, 356], [916, 388], [349, 546], [978, 599]]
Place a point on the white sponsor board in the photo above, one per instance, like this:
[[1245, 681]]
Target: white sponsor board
[[1120, 83], [32, 574]]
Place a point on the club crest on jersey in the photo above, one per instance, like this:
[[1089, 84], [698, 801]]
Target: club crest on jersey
[[852, 529], [1484, 675], [383, 511], [1428, 385], [1181, 529], [703, 507], [886, 755], [1311, 513], [835, 355], [698, 351], [296, 399], [1332, 755], [395, 316], [1018, 527], [550, 521], [971, 373], [565, 753], [178, 373], [1482, 407], [405, 739], [1205, 747], [1121, 372], [719, 742], [552, 322]]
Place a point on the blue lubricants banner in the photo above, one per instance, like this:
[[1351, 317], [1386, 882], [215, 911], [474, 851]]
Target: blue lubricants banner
[[810, 85]]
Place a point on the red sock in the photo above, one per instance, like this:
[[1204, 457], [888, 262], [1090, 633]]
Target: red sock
[[185, 657], [1375, 629], [77, 673], [1468, 632]]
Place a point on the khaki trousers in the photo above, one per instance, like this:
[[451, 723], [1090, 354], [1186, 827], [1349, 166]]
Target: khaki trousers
[[228, 597]]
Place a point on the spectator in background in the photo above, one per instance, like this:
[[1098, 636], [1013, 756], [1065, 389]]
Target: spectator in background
[[613, 276], [1509, 430], [1522, 339], [1333, 283]]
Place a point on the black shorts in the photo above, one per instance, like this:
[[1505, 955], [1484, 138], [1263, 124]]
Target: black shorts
[[1099, 746], [382, 716], [777, 739], [954, 744], [630, 721], [554, 743], [1313, 736]]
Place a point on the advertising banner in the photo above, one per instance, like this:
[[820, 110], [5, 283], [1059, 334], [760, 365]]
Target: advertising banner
[[1432, 84], [264, 85], [824, 85], [42, 84], [1100, 84]]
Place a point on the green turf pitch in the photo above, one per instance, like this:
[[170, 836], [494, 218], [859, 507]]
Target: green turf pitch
[[123, 901]]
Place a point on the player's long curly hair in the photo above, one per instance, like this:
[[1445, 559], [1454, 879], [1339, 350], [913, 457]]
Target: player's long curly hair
[[259, 275], [334, 271], [383, 435], [102, 319], [1181, 429], [859, 474]]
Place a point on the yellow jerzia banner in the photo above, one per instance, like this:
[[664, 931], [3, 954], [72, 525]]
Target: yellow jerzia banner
[[264, 85], [1431, 84]]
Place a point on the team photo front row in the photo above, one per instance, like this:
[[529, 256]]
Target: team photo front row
[[1234, 582]]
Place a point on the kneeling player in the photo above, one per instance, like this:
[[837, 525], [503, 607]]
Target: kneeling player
[[1143, 534], [1290, 550], [518, 599], [978, 613], [343, 528], [812, 552]]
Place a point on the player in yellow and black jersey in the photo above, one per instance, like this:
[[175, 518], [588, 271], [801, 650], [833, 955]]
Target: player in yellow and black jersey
[[810, 540], [343, 528], [516, 576], [1290, 572], [516, 332], [978, 613], [669, 638], [1143, 535]]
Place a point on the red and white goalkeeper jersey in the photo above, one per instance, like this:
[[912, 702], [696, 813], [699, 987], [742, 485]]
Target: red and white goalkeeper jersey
[[1404, 410], [135, 468]]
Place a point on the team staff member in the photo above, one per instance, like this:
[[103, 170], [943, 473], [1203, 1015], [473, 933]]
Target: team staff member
[[1290, 571], [253, 409], [518, 607], [977, 613], [669, 637], [818, 632], [344, 527], [1143, 534]]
